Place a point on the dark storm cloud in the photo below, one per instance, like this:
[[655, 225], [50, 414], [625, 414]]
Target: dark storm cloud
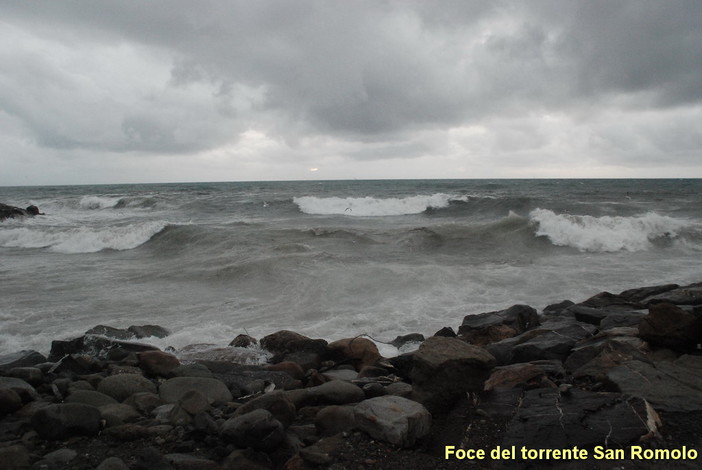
[[374, 72]]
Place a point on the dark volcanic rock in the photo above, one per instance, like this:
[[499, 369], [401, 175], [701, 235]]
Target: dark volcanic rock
[[668, 386], [69, 419], [610, 301], [669, 326], [444, 369], [555, 309], [589, 315], [446, 331]]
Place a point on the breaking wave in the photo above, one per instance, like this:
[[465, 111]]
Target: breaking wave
[[373, 207], [82, 239], [605, 234]]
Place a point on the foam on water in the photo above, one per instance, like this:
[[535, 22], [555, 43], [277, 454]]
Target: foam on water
[[373, 207], [605, 234], [81, 239], [98, 202]]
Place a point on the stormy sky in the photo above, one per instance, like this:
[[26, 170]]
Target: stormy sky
[[120, 91]]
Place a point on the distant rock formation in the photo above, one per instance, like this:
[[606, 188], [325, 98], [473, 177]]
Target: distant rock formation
[[7, 212]]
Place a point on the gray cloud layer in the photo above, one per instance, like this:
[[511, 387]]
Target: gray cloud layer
[[514, 83]]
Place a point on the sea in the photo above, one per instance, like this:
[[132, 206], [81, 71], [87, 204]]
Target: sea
[[330, 259]]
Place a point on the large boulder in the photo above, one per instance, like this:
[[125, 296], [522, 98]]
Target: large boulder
[[56, 422], [525, 376], [489, 327], [10, 212], [444, 369], [359, 352], [25, 358], [247, 379], [688, 295], [393, 419], [121, 386], [290, 346], [669, 326], [158, 363]]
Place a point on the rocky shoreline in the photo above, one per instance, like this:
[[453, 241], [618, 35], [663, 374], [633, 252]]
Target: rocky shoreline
[[617, 376]]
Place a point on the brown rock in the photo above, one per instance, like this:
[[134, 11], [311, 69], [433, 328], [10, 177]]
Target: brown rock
[[359, 351], [515, 376], [669, 326], [158, 363], [243, 341], [489, 334], [291, 368]]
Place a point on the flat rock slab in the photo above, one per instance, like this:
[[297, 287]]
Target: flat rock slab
[[546, 419], [668, 386], [393, 419], [174, 389]]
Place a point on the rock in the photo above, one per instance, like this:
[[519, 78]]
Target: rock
[[393, 419], [446, 332], [293, 369], [91, 398], [277, 403], [400, 389], [128, 432], [60, 457], [589, 315], [288, 345], [668, 386], [25, 391], [619, 319], [190, 462], [110, 332], [545, 419], [95, 346], [410, 338], [115, 414], [245, 380], [247, 459], [334, 419], [524, 375], [341, 374], [32, 375], [373, 371], [192, 370], [336, 392], [610, 301], [243, 341], [144, 402], [174, 389], [446, 368], [688, 295], [121, 386], [56, 422], [194, 402], [148, 331], [158, 363], [257, 429], [593, 357], [10, 401], [669, 326], [518, 317], [11, 212], [373, 389], [358, 351], [639, 294], [112, 463], [25, 358], [15, 457], [489, 334], [556, 309]]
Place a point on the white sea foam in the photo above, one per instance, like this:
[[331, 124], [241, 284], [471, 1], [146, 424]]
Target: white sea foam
[[98, 202], [605, 234], [373, 207], [81, 239]]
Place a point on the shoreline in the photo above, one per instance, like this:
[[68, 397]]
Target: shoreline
[[512, 384]]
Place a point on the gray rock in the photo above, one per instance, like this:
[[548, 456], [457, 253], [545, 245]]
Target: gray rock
[[247, 459], [110, 332], [174, 389], [15, 457], [91, 398], [10, 401], [112, 463], [31, 375], [519, 317], [446, 368], [144, 402], [668, 386], [400, 341], [244, 380], [639, 294], [243, 341], [25, 358], [192, 370], [56, 422], [121, 386], [25, 391], [393, 419], [688, 295], [147, 331], [622, 319], [61, 456], [523, 375], [115, 414], [257, 429], [340, 374], [190, 462], [336, 392], [277, 403], [553, 340], [373, 389], [400, 389]]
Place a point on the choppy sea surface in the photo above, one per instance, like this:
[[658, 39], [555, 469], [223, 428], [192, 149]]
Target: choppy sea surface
[[330, 259]]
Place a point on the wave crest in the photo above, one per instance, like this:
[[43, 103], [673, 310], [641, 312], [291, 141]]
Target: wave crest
[[373, 207], [82, 239], [605, 234]]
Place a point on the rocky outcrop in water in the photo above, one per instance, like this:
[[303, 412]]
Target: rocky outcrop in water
[[615, 372], [10, 212]]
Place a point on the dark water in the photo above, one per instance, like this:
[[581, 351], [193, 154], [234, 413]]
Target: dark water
[[331, 259]]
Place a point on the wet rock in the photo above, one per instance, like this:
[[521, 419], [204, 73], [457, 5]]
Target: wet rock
[[639, 294], [110, 332], [589, 315], [290, 346], [341, 374], [245, 380], [122, 386], [357, 351], [60, 458], [32, 375], [518, 317], [489, 334], [373, 371], [127, 432], [446, 332], [622, 319], [147, 331], [524, 376], [400, 341], [552, 340], [92, 398], [373, 389], [192, 370], [400, 389], [688, 295], [257, 429], [334, 419], [25, 391], [593, 357], [393, 419], [11, 212], [158, 363], [277, 403], [669, 326], [56, 422], [446, 368], [610, 301], [557, 308], [95, 346], [668, 386], [174, 389], [112, 463], [545, 419], [243, 341], [293, 369], [25, 358]]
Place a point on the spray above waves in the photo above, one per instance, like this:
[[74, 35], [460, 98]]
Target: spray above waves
[[82, 239], [606, 234], [373, 207]]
